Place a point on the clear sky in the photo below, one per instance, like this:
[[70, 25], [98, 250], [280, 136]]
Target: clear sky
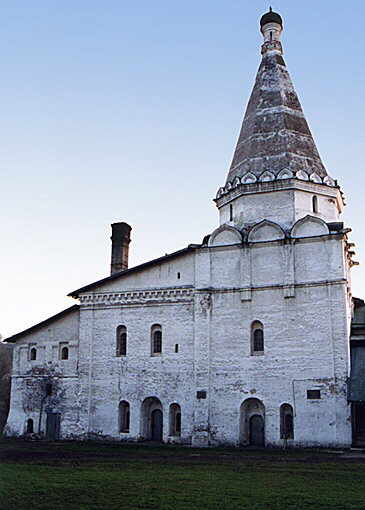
[[130, 111]]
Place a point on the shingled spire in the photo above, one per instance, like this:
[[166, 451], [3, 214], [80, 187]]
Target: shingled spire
[[275, 137]]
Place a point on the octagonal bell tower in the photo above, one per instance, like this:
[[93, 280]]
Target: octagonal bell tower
[[276, 172]]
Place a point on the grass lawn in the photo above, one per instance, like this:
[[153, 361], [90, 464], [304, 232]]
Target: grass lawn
[[50, 476]]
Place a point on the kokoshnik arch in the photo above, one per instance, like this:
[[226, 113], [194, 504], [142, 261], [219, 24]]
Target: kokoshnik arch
[[242, 339]]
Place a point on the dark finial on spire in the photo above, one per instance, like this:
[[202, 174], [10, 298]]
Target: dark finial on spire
[[271, 17]]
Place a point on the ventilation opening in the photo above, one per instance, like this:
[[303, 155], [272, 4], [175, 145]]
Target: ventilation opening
[[313, 394]]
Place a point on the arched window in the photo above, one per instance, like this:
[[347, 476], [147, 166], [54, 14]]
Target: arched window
[[121, 341], [33, 354], [30, 426], [175, 420], [257, 338], [64, 353], [124, 416], [156, 340], [286, 422], [314, 204]]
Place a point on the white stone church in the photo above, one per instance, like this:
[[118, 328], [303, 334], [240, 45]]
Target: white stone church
[[242, 340]]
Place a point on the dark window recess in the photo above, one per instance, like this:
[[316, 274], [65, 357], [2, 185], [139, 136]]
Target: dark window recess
[[178, 276], [230, 212], [157, 342], [121, 341], [48, 389], [124, 416], [313, 394], [33, 354], [201, 394], [30, 426], [176, 347], [258, 340], [315, 204], [64, 353]]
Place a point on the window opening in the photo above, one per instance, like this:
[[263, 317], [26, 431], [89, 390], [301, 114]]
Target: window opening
[[33, 354], [124, 416], [121, 349], [257, 338], [270, 36], [176, 347], [49, 389], [64, 353], [230, 212], [30, 426], [178, 276], [315, 204], [156, 340]]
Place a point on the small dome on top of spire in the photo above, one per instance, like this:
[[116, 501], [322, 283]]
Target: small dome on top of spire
[[271, 17]]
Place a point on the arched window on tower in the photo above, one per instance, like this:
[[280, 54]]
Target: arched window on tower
[[121, 347], [257, 338], [286, 422], [156, 340], [314, 204], [124, 416], [33, 354], [175, 420]]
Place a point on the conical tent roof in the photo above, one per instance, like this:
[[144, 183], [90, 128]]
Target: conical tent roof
[[274, 134]]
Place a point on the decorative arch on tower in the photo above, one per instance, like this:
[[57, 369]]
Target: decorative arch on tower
[[248, 178], [267, 176], [224, 236], [266, 231], [285, 173], [309, 226]]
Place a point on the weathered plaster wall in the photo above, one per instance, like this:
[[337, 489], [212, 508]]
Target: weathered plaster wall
[[283, 202], [296, 288]]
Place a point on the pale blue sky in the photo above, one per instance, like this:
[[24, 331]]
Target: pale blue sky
[[129, 111]]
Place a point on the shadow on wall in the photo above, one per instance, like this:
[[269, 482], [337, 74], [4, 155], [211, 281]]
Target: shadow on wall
[[5, 381]]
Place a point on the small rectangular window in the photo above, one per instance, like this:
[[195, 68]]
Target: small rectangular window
[[313, 394], [178, 276], [201, 394], [176, 347]]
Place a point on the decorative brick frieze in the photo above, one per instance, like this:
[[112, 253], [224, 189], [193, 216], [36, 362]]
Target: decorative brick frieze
[[137, 297]]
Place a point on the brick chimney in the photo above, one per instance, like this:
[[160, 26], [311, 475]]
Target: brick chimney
[[120, 246]]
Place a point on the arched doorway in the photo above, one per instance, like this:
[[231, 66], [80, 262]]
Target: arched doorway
[[152, 419], [252, 423]]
